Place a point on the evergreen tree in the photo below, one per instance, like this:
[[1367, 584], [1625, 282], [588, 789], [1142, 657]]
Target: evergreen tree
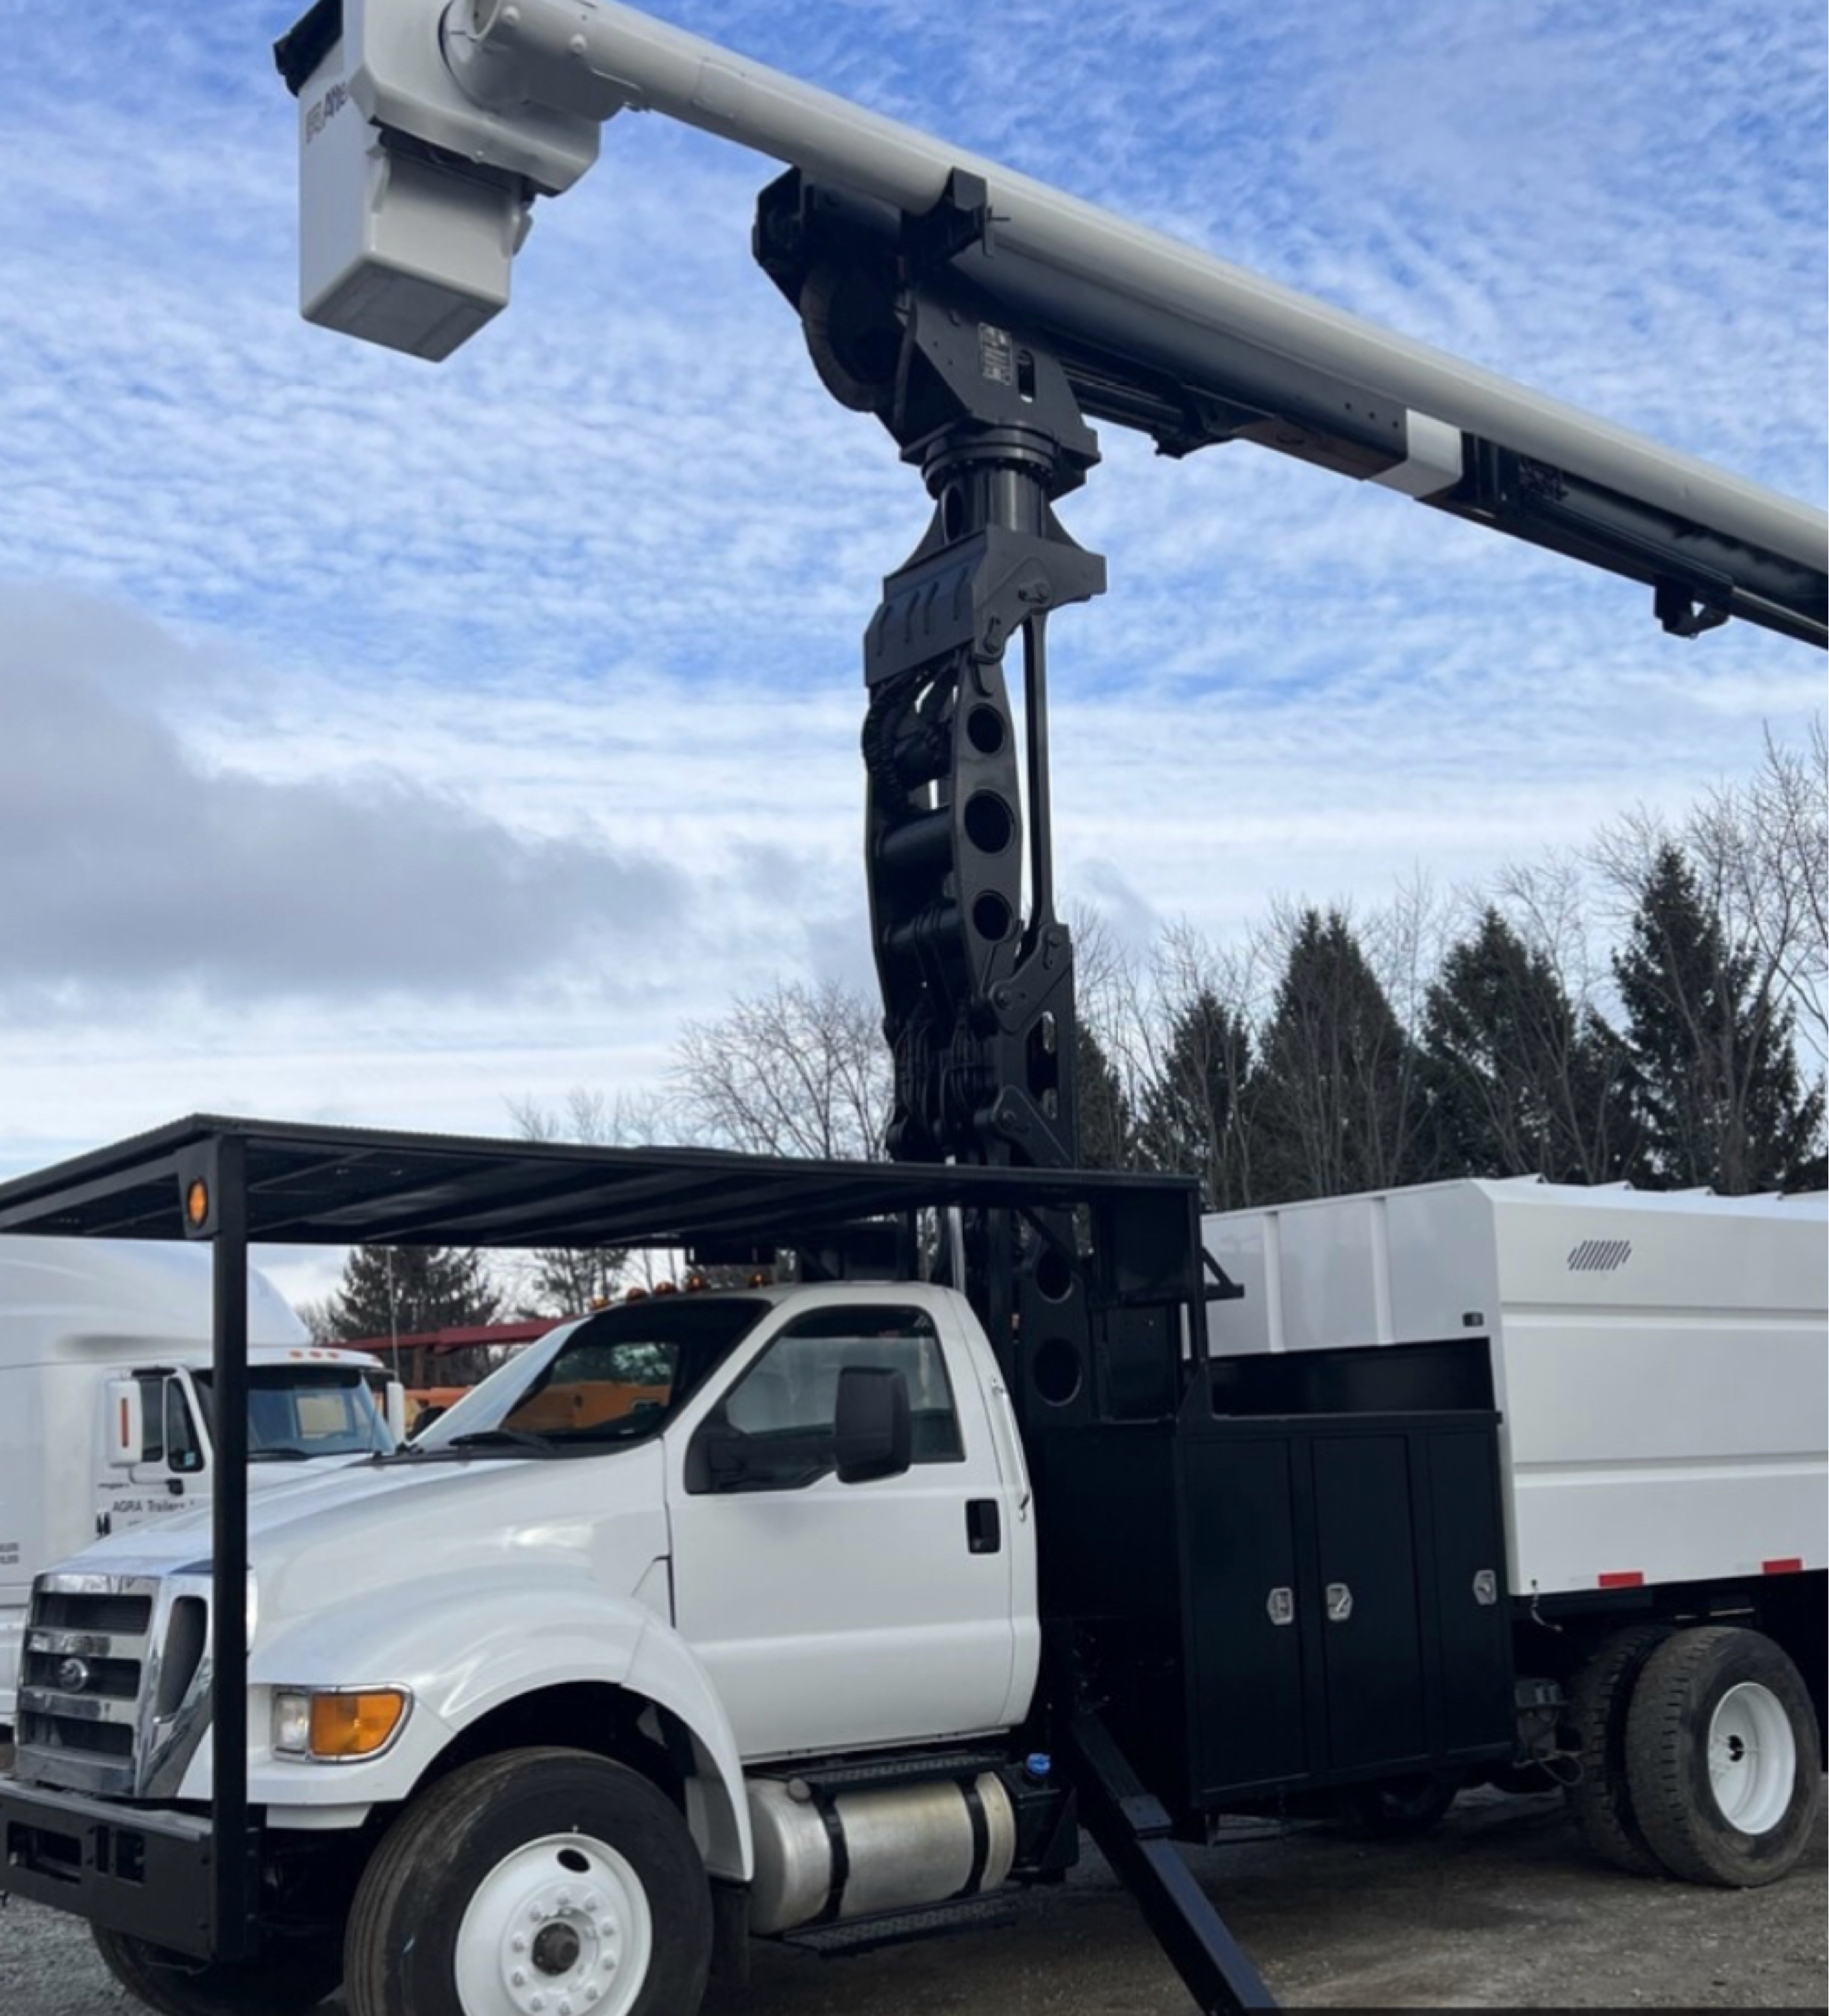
[[405, 1290], [1193, 1110], [1712, 1074], [1108, 1129], [1515, 1078], [1332, 1106], [567, 1280]]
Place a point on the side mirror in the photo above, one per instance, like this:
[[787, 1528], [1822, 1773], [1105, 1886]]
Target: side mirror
[[872, 1438], [122, 1424]]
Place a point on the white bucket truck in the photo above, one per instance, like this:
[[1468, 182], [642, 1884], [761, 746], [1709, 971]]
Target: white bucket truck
[[805, 1610], [105, 1409]]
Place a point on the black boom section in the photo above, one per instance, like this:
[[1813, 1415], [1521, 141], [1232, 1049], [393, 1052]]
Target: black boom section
[[976, 970]]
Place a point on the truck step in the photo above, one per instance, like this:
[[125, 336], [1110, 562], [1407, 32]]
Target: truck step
[[896, 1928], [872, 1774]]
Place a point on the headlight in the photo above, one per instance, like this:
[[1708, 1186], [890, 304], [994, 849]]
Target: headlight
[[337, 1724]]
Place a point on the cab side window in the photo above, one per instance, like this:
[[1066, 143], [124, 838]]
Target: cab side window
[[183, 1449], [152, 1416], [775, 1430]]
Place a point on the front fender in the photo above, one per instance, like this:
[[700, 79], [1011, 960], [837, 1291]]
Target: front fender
[[465, 1648]]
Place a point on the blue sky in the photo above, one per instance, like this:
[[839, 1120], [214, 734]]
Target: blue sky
[[383, 741]]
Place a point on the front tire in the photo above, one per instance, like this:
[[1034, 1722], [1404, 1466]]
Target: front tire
[[527, 1880], [1723, 1758], [290, 1977]]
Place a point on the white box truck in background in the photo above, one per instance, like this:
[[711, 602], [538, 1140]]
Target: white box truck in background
[[105, 1406]]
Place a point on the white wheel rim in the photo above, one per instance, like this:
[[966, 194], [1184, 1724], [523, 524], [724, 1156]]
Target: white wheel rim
[[1752, 1758], [560, 1928]]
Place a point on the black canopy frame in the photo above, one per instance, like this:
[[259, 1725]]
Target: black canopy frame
[[237, 1182]]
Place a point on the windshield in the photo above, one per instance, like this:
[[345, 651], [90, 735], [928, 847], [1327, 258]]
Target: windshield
[[619, 1377], [298, 1411]]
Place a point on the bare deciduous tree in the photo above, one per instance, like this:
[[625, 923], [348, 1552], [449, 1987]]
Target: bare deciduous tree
[[1195, 1100], [566, 1280], [1760, 850], [800, 1069]]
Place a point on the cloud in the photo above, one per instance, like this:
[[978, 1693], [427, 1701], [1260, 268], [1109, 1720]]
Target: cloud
[[382, 743], [128, 867]]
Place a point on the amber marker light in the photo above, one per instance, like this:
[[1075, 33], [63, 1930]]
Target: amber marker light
[[196, 1200], [336, 1726], [354, 1724]]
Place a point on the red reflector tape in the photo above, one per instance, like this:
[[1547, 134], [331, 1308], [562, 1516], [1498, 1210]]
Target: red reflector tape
[[1626, 1579], [1791, 1564]]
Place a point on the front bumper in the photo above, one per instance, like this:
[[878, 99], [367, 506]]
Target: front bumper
[[151, 1873]]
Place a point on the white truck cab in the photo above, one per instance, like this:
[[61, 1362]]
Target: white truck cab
[[105, 1407]]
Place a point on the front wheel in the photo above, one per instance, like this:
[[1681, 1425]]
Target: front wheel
[[528, 1884], [1722, 1758], [290, 1977]]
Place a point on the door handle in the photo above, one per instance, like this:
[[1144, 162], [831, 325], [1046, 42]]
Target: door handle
[[984, 1526]]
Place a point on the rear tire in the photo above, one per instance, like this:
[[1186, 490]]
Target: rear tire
[[1723, 1758], [289, 1977], [543, 1874], [1599, 1701]]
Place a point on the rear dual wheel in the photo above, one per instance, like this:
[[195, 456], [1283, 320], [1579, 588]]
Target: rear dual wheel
[[1600, 1798], [1700, 1755], [1723, 1758]]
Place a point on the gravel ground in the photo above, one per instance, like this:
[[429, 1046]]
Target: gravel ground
[[1497, 1909]]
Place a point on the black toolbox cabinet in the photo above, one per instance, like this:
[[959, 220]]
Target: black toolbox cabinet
[[1272, 1602]]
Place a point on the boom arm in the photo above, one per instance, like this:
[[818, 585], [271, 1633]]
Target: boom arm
[[426, 129]]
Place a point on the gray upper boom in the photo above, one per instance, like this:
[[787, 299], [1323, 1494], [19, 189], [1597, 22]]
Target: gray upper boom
[[426, 128]]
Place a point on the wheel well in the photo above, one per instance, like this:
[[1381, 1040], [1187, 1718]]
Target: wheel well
[[312, 1876], [581, 1715], [1791, 1609]]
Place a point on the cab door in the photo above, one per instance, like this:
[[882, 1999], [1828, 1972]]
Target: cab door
[[168, 1469], [841, 1616]]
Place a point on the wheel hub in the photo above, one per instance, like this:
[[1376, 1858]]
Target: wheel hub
[[1752, 1758], [556, 1950], [560, 1927]]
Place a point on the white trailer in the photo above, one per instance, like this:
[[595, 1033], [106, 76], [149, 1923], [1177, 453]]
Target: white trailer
[[1660, 1360], [105, 1409]]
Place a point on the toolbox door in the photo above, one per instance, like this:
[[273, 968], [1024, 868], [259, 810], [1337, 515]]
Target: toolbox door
[[1370, 1628]]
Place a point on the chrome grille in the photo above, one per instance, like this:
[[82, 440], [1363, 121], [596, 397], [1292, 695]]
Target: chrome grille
[[85, 1656], [114, 1683]]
